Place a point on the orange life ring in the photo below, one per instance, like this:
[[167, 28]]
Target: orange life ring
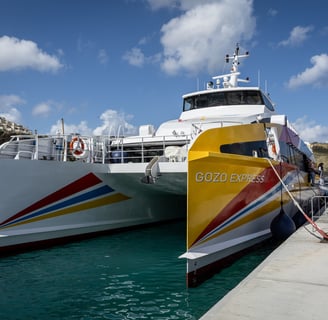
[[274, 150], [77, 147]]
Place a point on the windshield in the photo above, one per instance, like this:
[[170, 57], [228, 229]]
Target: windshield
[[216, 99]]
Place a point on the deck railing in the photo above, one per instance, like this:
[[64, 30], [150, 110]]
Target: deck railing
[[96, 149], [105, 149], [319, 206]]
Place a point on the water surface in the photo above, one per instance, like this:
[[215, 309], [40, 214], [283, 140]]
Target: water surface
[[129, 275]]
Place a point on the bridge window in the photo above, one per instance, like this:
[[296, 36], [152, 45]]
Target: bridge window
[[267, 102], [216, 99]]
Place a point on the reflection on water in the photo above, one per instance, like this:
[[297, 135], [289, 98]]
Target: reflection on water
[[129, 275]]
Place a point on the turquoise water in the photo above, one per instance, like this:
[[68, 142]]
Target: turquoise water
[[129, 275]]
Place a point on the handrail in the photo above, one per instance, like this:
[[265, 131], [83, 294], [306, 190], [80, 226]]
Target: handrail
[[100, 149], [318, 198]]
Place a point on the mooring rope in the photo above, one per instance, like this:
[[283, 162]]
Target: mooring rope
[[314, 225]]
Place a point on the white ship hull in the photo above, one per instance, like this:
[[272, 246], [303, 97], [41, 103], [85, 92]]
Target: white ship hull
[[50, 200]]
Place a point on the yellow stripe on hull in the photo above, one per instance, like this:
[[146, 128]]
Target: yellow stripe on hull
[[254, 215], [76, 208]]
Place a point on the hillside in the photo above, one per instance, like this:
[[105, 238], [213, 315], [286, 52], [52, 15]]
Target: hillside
[[9, 128], [320, 151]]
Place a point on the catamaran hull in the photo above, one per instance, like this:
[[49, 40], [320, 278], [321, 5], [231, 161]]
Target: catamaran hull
[[205, 260], [202, 268], [49, 201], [233, 199], [202, 265]]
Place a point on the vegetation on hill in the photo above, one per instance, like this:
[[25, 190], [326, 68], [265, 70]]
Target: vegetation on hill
[[320, 151]]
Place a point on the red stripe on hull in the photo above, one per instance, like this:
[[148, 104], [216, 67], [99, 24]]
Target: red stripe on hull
[[85, 182], [250, 193]]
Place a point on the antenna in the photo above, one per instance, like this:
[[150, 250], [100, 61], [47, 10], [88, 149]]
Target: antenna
[[231, 80]]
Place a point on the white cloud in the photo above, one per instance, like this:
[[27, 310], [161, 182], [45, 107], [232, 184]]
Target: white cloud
[[180, 4], [310, 131], [112, 123], [200, 37], [190, 4], [143, 41], [42, 109], [22, 54], [60, 52], [45, 108], [272, 12], [102, 56], [159, 4], [115, 123], [8, 107], [316, 76], [297, 36], [135, 57], [81, 128]]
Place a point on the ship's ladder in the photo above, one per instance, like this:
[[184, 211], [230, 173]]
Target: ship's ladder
[[310, 221]]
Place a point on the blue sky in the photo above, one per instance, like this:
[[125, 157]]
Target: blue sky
[[101, 64]]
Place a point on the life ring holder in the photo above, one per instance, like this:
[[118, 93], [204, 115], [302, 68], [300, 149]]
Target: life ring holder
[[272, 145], [273, 148], [78, 148]]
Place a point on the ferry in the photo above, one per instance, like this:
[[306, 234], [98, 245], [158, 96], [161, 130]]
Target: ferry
[[221, 165]]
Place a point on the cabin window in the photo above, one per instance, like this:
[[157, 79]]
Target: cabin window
[[244, 97], [201, 102], [253, 97], [267, 103], [292, 155], [188, 104], [251, 148], [235, 98], [216, 99], [295, 157]]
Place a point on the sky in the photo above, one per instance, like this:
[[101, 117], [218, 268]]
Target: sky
[[109, 66]]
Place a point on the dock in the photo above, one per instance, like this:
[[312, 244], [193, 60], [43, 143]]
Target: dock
[[291, 283]]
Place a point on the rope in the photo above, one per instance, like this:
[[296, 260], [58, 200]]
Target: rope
[[312, 233], [314, 225]]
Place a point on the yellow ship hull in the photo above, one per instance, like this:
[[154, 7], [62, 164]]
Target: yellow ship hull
[[232, 198]]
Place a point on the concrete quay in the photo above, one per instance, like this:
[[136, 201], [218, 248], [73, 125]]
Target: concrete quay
[[291, 283]]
